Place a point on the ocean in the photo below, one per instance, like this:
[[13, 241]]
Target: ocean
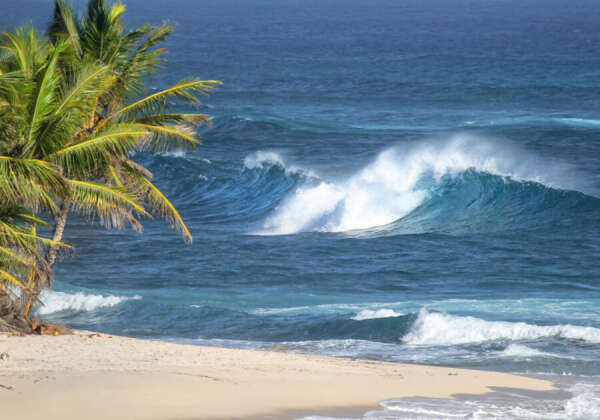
[[404, 180]]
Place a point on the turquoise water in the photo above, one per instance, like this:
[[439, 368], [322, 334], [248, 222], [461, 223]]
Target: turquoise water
[[412, 181]]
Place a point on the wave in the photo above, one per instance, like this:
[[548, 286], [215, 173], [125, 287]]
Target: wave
[[583, 403], [538, 121], [380, 313], [266, 159], [438, 184], [61, 301], [519, 351], [440, 329], [233, 125], [236, 123], [174, 153]]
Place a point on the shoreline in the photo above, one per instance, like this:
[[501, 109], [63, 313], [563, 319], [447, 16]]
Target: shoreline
[[96, 376]]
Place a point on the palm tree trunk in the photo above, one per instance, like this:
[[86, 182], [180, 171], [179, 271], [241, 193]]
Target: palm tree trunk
[[45, 278], [59, 229], [10, 315]]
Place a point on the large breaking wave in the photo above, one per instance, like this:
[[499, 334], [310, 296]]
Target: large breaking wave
[[464, 183]]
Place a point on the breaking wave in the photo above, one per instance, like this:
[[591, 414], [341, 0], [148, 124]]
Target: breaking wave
[[440, 329], [464, 183], [61, 301], [376, 314]]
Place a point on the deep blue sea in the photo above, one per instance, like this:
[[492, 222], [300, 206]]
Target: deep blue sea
[[404, 180]]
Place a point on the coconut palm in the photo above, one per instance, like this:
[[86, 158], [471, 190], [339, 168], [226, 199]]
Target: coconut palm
[[72, 116]]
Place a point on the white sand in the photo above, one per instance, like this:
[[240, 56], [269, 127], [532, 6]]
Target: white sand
[[78, 377]]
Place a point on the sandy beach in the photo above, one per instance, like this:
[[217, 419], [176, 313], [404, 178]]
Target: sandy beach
[[97, 376]]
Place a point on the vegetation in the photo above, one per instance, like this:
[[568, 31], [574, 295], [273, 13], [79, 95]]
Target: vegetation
[[73, 111]]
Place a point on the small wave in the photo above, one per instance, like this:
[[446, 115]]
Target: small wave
[[265, 159], [580, 122], [520, 351], [174, 153], [239, 117], [585, 403], [61, 301], [380, 313], [262, 159], [439, 329], [538, 121], [427, 409]]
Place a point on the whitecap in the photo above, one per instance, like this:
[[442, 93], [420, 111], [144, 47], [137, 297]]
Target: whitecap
[[61, 301], [519, 351], [264, 159], [380, 313], [440, 329], [174, 153]]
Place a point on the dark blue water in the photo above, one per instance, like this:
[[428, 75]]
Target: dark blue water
[[412, 181]]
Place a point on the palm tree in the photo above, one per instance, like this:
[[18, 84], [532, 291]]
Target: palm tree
[[72, 113]]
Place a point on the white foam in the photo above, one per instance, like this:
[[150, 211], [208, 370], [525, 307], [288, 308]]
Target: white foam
[[439, 329], [324, 308], [585, 403], [262, 159], [61, 301], [520, 351], [380, 313], [397, 182], [174, 153], [327, 308]]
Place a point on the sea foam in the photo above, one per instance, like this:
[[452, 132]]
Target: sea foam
[[440, 329], [519, 351], [375, 314], [61, 301], [584, 404]]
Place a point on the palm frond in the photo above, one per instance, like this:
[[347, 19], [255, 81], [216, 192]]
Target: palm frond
[[162, 136], [63, 26], [144, 60], [43, 102], [6, 277], [110, 204], [156, 199], [30, 181], [85, 155], [12, 235], [186, 90], [177, 118], [12, 260], [24, 47], [91, 81]]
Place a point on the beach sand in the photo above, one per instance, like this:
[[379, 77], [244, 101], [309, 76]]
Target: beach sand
[[91, 376]]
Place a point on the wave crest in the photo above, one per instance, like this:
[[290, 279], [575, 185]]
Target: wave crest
[[440, 329], [61, 301], [376, 314]]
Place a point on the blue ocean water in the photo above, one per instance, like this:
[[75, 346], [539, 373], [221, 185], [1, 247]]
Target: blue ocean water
[[412, 181]]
